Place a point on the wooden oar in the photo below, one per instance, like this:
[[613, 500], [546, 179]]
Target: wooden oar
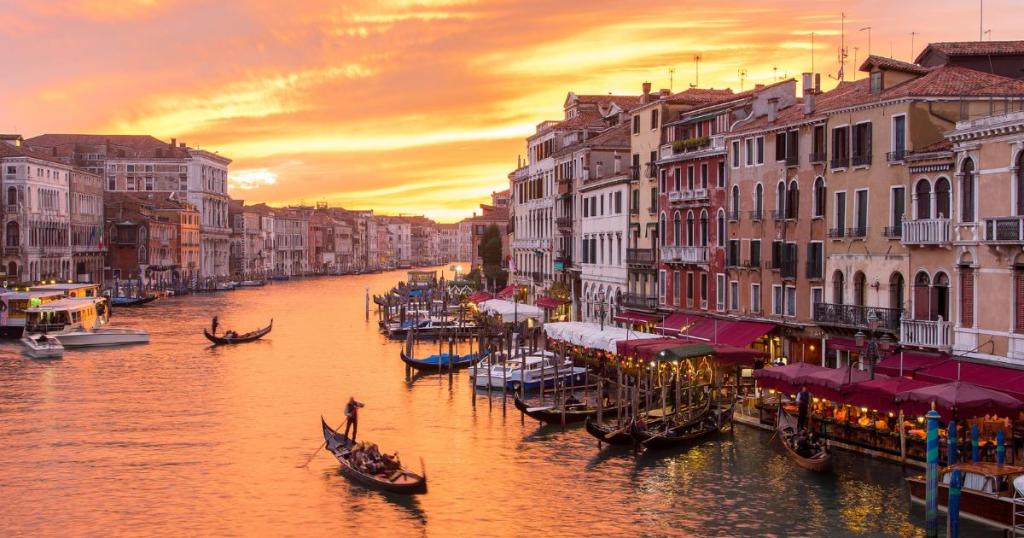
[[321, 448]]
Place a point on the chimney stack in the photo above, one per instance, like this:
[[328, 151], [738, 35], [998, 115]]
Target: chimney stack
[[174, 142], [808, 92], [758, 87], [647, 88], [665, 92], [618, 164], [773, 109]]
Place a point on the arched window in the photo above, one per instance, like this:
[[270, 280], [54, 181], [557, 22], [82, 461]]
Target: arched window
[[720, 237], [735, 202], [859, 288], [940, 297], [793, 200], [661, 229], [13, 234], [942, 205], [819, 197], [758, 202], [922, 296], [142, 234], [780, 199], [967, 191], [923, 199], [704, 228], [142, 253], [1019, 178], [689, 228], [677, 236], [896, 290], [838, 287]]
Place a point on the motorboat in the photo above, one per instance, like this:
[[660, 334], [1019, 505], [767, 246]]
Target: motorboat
[[252, 283], [225, 286], [103, 336], [42, 347], [432, 328], [79, 322], [987, 494], [531, 373]]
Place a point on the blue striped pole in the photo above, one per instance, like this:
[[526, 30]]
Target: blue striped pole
[[951, 444], [953, 506], [1000, 447], [931, 493], [975, 449]]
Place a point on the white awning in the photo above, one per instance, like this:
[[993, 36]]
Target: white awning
[[591, 335], [511, 312]]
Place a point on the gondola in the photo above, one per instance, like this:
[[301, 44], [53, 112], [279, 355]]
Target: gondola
[[817, 460], [552, 414], [440, 362], [606, 433], [705, 424], [132, 301], [238, 339], [402, 481]]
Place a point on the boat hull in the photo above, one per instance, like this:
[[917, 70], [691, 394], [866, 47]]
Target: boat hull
[[554, 414], [33, 350], [459, 363], [339, 445], [605, 433], [102, 338], [240, 339], [997, 512], [131, 301]]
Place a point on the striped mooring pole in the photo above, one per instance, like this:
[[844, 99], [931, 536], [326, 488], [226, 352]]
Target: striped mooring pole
[[931, 493], [956, 480]]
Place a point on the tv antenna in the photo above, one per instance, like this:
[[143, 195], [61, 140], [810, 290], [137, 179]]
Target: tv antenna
[[842, 49], [743, 76], [912, 34], [696, 68], [868, 28], [671, 75]]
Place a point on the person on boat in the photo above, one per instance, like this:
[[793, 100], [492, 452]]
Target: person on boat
[[803, 400], [352, 417], [572, 400], [213, 325]]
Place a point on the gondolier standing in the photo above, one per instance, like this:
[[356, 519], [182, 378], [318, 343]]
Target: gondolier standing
[[213, 325], [803, 400], [352, 417]]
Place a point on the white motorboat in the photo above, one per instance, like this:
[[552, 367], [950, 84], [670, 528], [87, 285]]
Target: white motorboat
[[251, 283], [225, 286], [494, 375], [104, 336], [42, 347]]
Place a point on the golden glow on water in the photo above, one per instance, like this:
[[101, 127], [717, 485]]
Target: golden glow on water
[[181, 439]]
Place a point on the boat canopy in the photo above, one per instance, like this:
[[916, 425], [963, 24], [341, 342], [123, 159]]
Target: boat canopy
[[591, 335], [68, 303], [511, 312]]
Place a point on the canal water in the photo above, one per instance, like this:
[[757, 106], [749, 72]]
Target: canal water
[[182, 439]]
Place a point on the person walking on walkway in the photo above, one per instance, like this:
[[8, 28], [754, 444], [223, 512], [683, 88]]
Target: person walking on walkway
[[352, 417]]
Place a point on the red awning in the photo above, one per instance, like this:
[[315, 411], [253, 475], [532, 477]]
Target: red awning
[[843, 344], [738, 356], [830, 383], [647, 348], [507, 291], [880, 393], [740, 333], [998, 378], [677, 320], [714, 330], [550, 302], [786, 378], [911, 362], [959, 398], [481, 296], [631, 317]]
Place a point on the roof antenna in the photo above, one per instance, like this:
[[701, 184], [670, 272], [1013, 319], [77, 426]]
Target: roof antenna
[[671, 75], [775, 73], [743, 76], [912, 34], [842, 49], [696, 68], [981, 19]]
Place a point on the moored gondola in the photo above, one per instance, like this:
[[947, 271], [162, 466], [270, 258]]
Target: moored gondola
[[555, 414], [230, 338], [706, 423], [608, 433], [440, 362], [809, 453], [132, 301], [398, 481]]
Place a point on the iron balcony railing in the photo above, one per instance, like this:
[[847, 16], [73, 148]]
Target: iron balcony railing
[[639, 301], [681, 254], [863, 159], [1004, 230], [792, 160], [836, 233], [926, 232], [857, 231], [839, 162], [896, 156], [757, 214], [640, 256], [733, 214], [858, 317], [817, 157], [787, 267], [893, 232]]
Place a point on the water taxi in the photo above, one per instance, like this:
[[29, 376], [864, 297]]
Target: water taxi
[[78, 322], [986, 495], [13, 305]]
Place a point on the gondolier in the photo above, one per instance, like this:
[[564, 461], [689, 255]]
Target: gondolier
[[803, 400], [213, 325], [352, 417]]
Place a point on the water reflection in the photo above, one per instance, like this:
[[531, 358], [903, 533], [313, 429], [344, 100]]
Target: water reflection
[[206, 441]]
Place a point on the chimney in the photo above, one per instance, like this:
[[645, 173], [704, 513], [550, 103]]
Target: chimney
[[182, 145], [773, 109], [646, 91], [758, 87], [665, 92], [174, 142], [808, 92], [618, 164]]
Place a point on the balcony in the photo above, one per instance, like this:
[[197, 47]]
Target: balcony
[[639, 301], [1004, 230], [563, 222], [792, 160], [787, 268], [694, 255], [893, 232], [693, 195], [13, 208], [652, 210], [12, 251], [926, 232], [751, 264], [692, 145], [925, 333], [857, 232], [863, 159], [839, 162], [836, 233], [817, 157], [640, 256], [857, 317], [896, 156], [814, 269], [634, 211]]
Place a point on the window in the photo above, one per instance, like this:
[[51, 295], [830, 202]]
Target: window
[[838, 287], [689, 177], [815, 259], [634, 201], [734, 203], [840, 210], [899, 137], [1018, 304], [735, 153], [689, 289], [818, 144], [721, 173], [651, 167], [676, 288], [678, 172], [861, 147], [758, 202], [732, 254], [661, 287], [777, 300], [734, 295], [755, 253], [780, 199], [755, 298], [704, 228], [860, 208], [840, 147], [720, 292], [586, 207], [654, 118], [817, 297], [720, 231], [923, 199], [149, 183], [635, 172], [792, 148], [618, 202], [897, 207], [859, 288], [1019, 183], [703, 290], [654, 200], [777, 254], [896, 290], [791, 301], [760, 150], [704, 175], [689, 228], [749, 150], [876, 82], [676, 233], [793, 200], [636, 124], [819, 197], [663, 182], [967, 191], [780, 146]]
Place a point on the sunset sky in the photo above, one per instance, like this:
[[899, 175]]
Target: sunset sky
[[408, 106]]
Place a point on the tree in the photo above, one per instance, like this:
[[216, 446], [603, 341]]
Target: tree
[[491, 255]]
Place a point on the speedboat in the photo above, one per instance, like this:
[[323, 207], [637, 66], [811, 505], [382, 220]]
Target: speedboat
[[103, 336], [431, 328], [42, 347], [528, 372]]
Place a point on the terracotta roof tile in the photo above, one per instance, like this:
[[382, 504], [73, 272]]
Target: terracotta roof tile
[[974, 48], [890, 64], [7, 150], [132, 145]]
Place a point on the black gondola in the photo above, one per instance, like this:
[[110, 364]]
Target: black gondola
[[401, 481], [552, 414], [704, 425], [440, 362], [240, 338], [132, 301], [606, 433]]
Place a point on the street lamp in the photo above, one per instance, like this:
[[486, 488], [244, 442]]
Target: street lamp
[[600, 307], [873, 346]]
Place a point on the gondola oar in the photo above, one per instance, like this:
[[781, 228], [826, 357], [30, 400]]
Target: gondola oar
[[319, 449]]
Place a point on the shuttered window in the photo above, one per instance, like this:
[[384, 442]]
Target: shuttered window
[[1018, 304], [966, 297]]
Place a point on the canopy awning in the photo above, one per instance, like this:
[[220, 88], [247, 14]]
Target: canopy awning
[[508, 291], [880, 393], [481, 296], [550, 302], [786, 378], [966, 400], [714, 330], [738, 356], [678, 321], [632, 317], [742, 333], [645, 349], [1006, 380], [905, 363], [843, 344], [829, 383], [592, 335], [511, 312], [685, 351]]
